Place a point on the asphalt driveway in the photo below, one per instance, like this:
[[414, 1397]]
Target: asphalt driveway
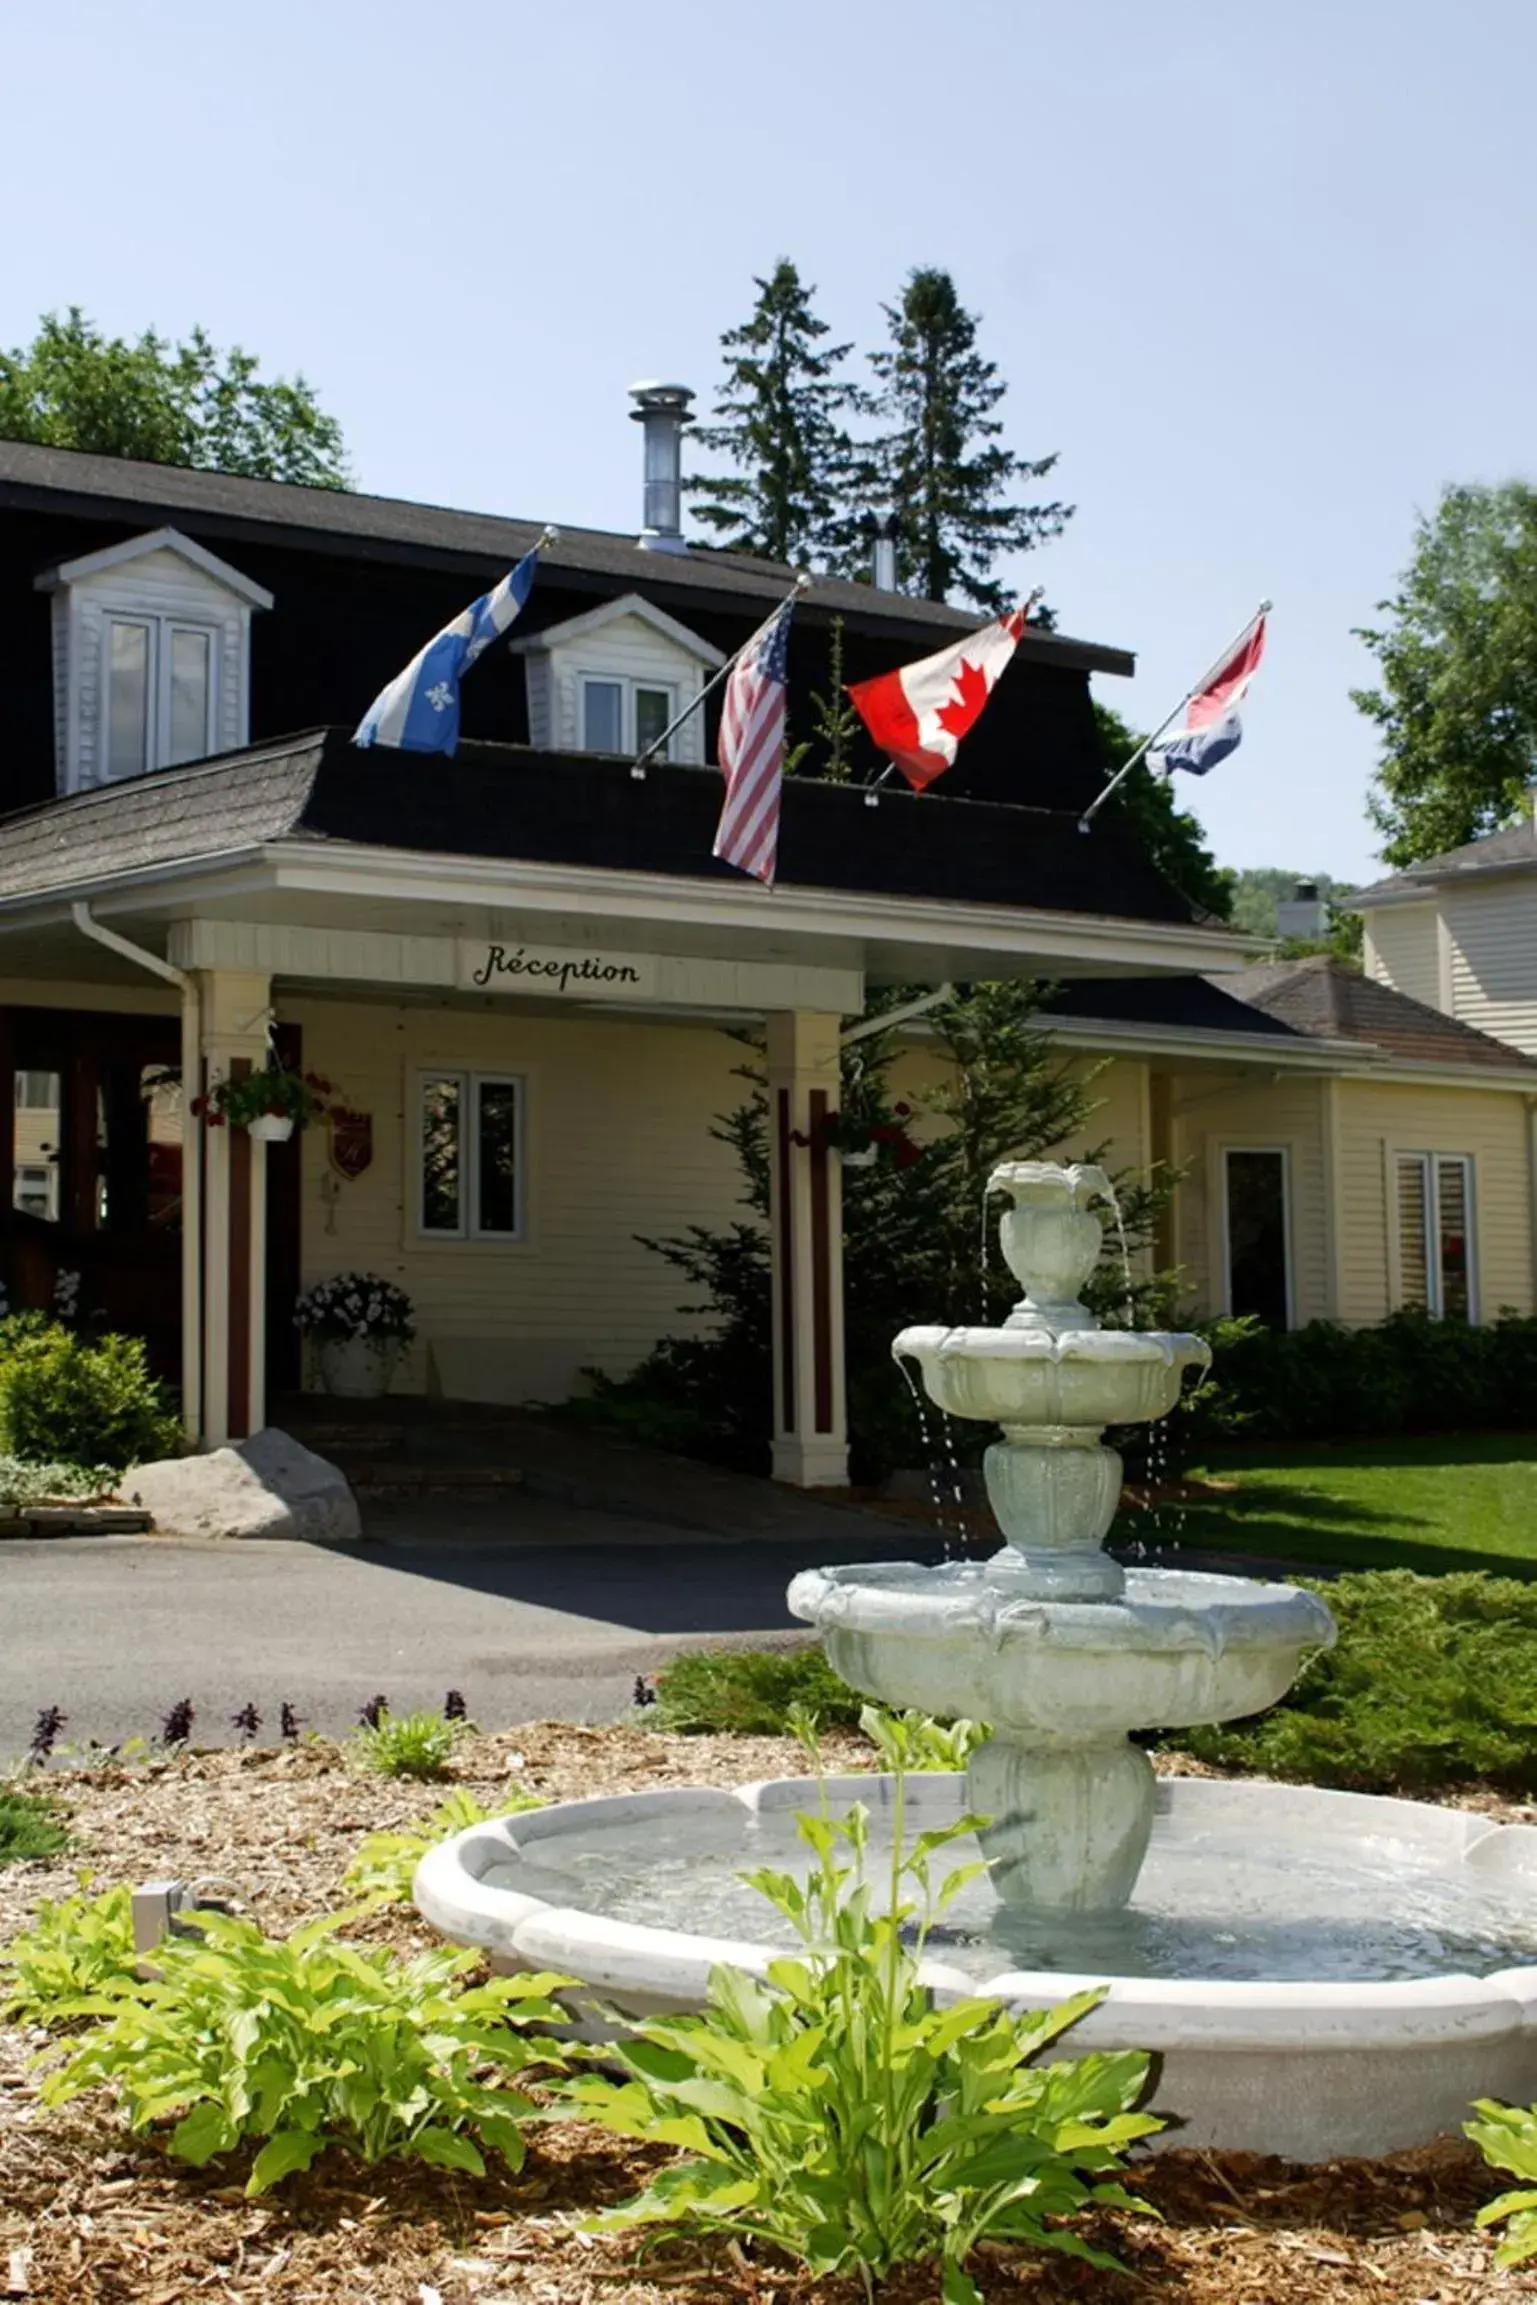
[[554, 1624]]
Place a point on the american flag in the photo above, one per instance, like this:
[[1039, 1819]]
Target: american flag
[[752, 751]]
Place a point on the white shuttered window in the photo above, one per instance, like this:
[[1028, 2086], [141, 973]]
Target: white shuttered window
[[1436, 1262]]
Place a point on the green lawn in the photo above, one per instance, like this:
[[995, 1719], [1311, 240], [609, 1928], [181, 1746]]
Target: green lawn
[[1455, 1503]]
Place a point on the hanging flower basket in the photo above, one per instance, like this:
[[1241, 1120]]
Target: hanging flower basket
[[862, 1144], [270, 1104]]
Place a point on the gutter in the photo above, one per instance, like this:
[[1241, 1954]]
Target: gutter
[[191, 1154]]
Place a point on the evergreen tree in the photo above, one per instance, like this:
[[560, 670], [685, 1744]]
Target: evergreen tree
[[781, 414], [912, 1233], [189, 403], [940, 462]]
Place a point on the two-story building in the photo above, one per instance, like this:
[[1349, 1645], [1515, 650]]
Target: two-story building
[[522, 969]]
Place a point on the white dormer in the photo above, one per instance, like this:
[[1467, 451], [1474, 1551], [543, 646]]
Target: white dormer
[[151, 657], [612, 680]]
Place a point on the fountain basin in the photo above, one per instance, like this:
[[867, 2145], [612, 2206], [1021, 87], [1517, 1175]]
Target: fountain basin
[[1177, 1647], [1317, 1973], [1029, 1376]]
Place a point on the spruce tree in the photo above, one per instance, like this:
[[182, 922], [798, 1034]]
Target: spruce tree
[[780, 424], [940, 462]]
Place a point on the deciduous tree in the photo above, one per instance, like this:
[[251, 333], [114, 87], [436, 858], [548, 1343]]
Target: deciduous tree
[[1457, 658], [188, 403]]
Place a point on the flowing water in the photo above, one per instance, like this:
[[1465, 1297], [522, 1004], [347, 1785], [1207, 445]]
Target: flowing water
[[1345, 1903], [945, 1490]]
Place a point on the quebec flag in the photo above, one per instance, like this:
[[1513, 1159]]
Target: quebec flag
[[419, 711], [1209, 724]]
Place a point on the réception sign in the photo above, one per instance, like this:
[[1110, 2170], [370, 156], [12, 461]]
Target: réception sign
[[559, 972]]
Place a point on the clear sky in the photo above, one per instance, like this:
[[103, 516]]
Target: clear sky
[[1263, 276]]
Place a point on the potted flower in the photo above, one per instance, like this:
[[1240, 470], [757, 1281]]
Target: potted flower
[[361, 1325], [860, 1144], [269, 1105]]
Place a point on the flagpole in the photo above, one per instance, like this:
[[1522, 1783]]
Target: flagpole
[[1195, 688], [871, 790], [638, 765]]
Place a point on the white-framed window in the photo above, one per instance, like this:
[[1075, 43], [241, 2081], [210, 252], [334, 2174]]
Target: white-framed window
[[35, 1190], [37, 1092], [1437, 1263], [158, 680], [469, 1155], [1256, 1233], [619, 714]]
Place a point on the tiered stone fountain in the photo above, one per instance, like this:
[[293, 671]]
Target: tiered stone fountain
[[1053, 1643], [1317, 1973]]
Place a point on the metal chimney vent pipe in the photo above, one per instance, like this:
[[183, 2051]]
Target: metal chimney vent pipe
[[883, 559], [662, 411]]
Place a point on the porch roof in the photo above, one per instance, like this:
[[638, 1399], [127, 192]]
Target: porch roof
[[937, 883]]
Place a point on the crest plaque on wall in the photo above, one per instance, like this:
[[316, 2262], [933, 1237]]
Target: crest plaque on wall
[[351, 1143]]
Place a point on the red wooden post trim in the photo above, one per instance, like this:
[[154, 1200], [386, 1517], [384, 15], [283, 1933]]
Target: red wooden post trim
[[239, 1271], [786, 1226], [821, 1266]]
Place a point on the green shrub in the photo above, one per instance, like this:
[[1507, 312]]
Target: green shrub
[[1433, 1683], [385, 1865], [837, 2114], [303, 2042], [80, 1401], [1323, 1382], [29, 1827], [76, 1949], [407, 1744], [752, 1692], [1506, 2135]]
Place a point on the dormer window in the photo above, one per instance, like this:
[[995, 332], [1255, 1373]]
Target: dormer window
[[614, 679], [625, 715], [151, 658], [160, 693]]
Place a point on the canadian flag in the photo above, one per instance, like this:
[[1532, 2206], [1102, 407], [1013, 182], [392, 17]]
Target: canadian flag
[[919, 713]]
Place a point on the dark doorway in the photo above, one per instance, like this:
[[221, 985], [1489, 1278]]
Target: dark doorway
[[1258, 1263]]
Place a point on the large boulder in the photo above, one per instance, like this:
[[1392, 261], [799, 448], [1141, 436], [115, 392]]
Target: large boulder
[[268, 1486]]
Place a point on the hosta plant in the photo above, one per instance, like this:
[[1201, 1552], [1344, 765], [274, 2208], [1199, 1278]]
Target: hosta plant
[[303, 2042], [834, 2113], [1506, 2135], [385, 1865], [76, 1949], [915, 1740], [406, 1744]]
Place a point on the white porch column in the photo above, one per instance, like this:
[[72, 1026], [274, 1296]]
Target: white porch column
[[235, 1007], [806, 1230]]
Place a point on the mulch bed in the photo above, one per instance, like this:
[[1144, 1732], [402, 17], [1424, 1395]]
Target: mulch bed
[[88, 2217]]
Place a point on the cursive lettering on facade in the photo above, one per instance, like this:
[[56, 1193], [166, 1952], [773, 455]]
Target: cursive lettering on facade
[[548, 968]]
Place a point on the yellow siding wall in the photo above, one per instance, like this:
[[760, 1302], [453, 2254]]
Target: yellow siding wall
[[618, 1118], [1492, 930], [1376, 1122], [1402, 949], [1208, 1116]]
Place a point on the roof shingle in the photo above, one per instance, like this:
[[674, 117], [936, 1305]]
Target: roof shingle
[[1322, 996]]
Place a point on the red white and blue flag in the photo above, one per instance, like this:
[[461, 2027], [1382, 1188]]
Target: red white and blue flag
[[752, 750], [1209, 726], [919, 713]]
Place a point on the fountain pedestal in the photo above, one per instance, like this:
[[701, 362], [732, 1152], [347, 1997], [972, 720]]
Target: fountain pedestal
[[1051, 1642], [1070, 1823]]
